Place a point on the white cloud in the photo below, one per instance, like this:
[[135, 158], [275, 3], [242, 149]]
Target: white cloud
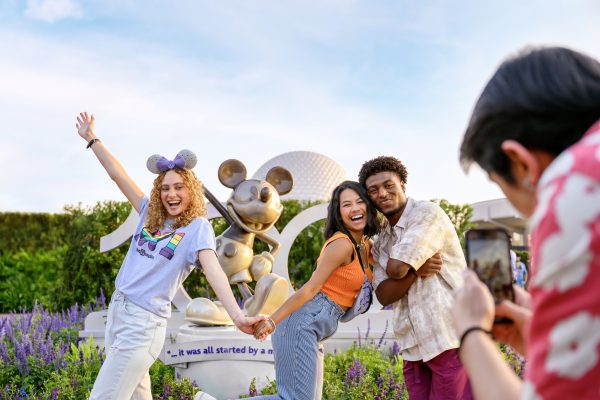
[[52, 10], [251, 81]]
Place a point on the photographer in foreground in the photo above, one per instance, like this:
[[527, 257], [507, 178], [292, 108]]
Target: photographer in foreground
[[535, 131]]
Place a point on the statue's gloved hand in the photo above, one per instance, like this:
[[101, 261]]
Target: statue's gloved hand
[[262, 264]]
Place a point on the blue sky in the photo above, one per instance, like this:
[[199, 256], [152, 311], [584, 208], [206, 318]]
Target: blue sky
[[253, 79]]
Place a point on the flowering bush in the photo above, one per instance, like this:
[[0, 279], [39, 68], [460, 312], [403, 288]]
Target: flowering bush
[[367, 370], [370, 370], [41, 357]]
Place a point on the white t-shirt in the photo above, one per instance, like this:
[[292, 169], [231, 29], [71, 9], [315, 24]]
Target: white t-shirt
[[158, 262]]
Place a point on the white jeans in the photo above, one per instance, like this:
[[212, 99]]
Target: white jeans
[[133, 340]]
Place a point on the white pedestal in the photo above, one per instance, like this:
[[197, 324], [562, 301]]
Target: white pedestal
[[221, 360]]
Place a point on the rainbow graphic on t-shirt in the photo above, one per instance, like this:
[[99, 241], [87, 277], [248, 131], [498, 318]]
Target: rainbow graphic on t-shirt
[[152, 238], [169, 250]]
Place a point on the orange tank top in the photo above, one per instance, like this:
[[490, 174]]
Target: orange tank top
[[343, 284]]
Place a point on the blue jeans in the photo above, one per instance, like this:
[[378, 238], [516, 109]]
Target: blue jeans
[[296, 347]]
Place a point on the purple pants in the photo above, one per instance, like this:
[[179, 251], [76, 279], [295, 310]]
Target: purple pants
[[442, 377]]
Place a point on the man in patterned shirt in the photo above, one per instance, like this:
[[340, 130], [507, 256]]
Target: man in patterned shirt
[[413, 232], [536, 131]]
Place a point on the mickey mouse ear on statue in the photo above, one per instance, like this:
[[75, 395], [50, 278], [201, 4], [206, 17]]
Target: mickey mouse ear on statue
[[185, 159]]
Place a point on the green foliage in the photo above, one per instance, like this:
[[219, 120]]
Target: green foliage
[[166, 386], [85, 270], [46, 252], [361, 372], [307, 245], [460, 215], [76, 379], [304, 253], [32, 232], [269, 388], [524, 256], [514, 359], [369, 372], [27, 276], [59, 262], [41, 358]]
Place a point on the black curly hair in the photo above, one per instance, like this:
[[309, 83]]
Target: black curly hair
[[382, 164]]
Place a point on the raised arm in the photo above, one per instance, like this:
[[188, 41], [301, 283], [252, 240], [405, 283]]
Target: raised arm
[[85, 128]]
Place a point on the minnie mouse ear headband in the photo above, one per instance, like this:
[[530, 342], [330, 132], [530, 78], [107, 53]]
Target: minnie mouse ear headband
[[185, 159]]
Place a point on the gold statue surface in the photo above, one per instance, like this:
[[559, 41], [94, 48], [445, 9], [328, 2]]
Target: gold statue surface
[[252, 209]]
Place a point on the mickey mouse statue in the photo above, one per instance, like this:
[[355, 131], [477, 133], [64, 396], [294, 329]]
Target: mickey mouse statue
[[252, 209]]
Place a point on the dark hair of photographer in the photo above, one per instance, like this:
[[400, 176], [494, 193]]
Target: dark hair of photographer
[[545, 99]]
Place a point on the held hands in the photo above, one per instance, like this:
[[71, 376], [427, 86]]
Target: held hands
[[246, 324], [263, 329], [85, 126], [431, 267]]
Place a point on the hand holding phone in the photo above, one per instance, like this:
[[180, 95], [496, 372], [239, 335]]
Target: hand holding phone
[[488, 254]]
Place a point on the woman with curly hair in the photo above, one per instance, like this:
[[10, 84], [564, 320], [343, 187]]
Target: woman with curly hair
[[172, 237]]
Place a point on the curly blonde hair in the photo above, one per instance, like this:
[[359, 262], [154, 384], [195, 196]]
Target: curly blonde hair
[[157, 214]]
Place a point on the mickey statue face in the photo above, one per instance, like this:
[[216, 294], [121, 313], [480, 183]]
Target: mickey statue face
[[252, 209], [255, 201]]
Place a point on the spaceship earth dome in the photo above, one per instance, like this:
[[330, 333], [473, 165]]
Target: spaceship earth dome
[[315, 175]]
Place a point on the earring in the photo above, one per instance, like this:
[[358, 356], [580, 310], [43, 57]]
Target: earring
[[527, 183]]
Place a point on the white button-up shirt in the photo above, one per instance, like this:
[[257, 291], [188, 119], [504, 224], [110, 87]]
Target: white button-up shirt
[[422, 320]]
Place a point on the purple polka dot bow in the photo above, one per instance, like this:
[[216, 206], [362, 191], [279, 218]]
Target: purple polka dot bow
[[164, 164]]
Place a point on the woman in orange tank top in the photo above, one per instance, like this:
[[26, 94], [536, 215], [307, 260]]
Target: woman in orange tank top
[[312, 313]]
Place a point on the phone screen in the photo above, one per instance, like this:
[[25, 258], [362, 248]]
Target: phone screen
[[488, 254]]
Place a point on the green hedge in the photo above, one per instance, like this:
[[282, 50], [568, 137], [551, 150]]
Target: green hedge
[[55, 258], [58, 260], [32, 231]]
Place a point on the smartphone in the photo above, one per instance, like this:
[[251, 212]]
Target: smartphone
[[488, 254]]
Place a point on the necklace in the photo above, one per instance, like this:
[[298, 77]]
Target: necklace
[[361, 245]]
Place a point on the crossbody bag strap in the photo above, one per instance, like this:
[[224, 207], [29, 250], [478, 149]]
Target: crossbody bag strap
[[356, 250]]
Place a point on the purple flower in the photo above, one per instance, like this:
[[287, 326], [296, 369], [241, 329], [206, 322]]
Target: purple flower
[[382, 335], [54, 394], [395, 352], [356, 372]]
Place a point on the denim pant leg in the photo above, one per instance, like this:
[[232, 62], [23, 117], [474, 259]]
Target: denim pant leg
[[134, 340], [296, 346]]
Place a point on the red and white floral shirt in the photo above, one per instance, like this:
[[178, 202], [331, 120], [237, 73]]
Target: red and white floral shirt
[[564, 337]]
